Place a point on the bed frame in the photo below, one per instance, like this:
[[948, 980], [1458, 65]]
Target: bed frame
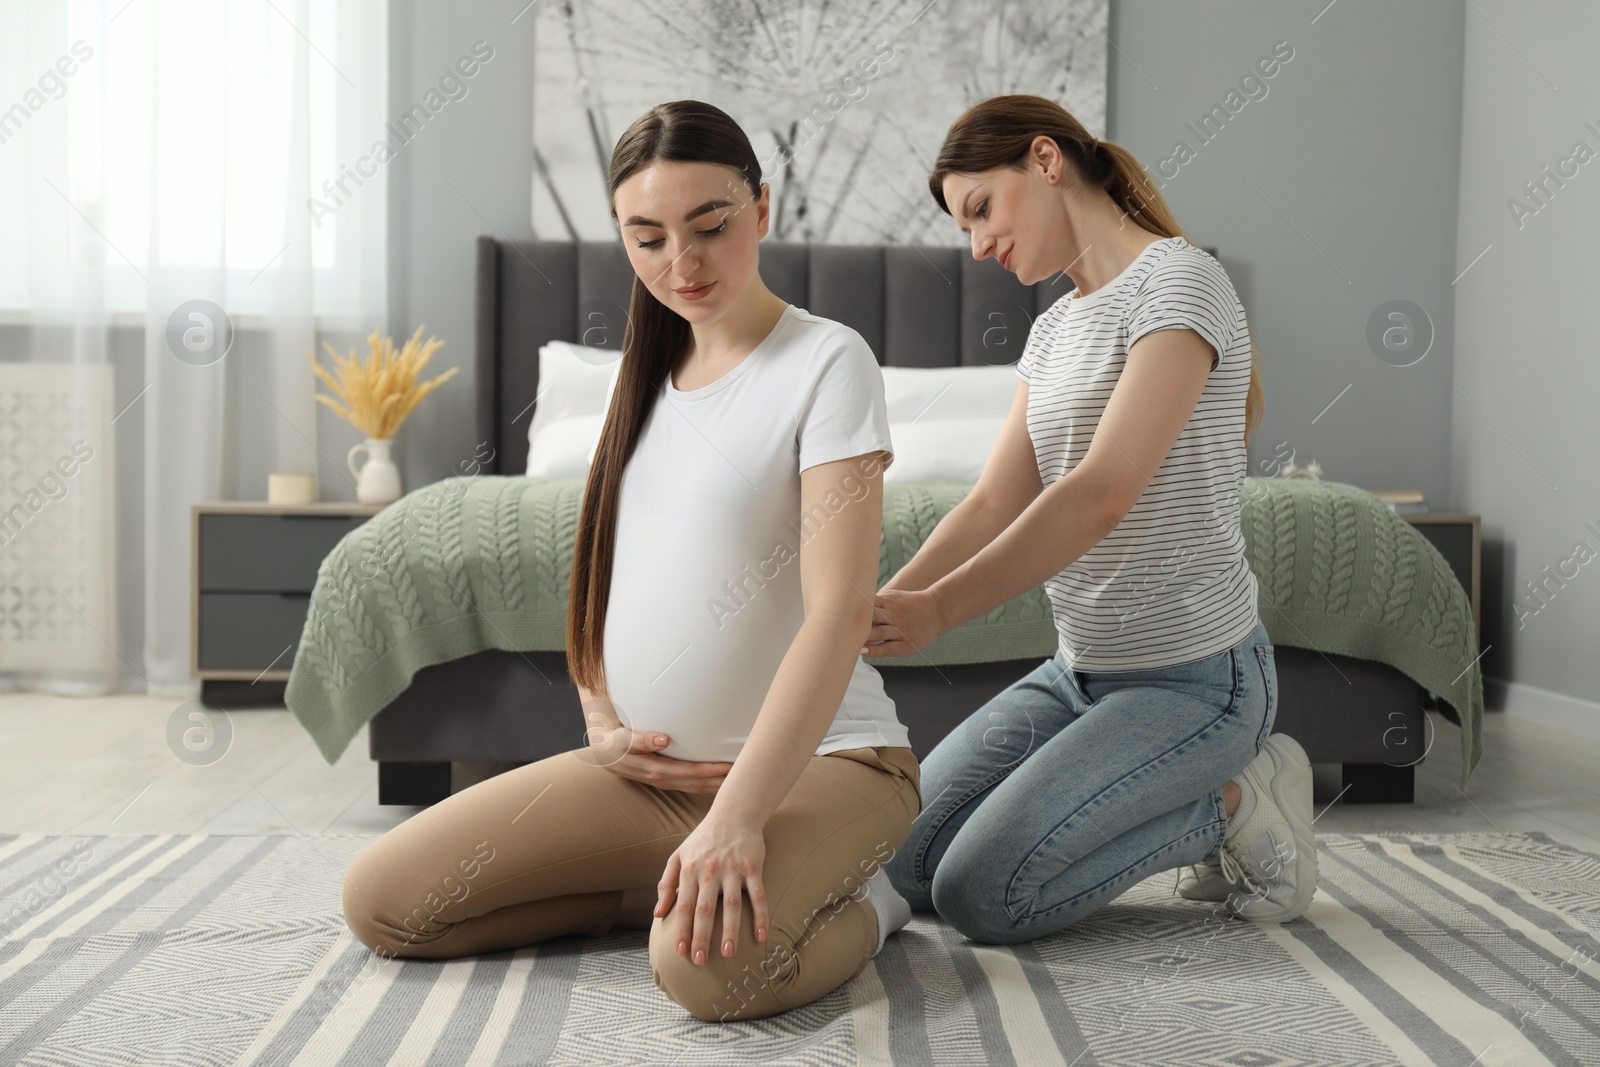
[[916, 307]]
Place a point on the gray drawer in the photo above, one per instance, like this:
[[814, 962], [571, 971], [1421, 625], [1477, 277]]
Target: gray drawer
[[267, 553], [248, 631]]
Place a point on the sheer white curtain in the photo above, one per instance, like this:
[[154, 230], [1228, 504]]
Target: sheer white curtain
[[192, 198]]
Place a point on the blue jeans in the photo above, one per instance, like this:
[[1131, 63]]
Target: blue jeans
[[1070, 786]]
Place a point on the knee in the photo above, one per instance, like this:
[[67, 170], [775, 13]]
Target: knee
[[712, 991], [973, 896], [706, 991], [733, 988], [374, 917], [364, 910]]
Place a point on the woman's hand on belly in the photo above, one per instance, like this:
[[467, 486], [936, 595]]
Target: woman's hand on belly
[[718, 859], [632, 755]]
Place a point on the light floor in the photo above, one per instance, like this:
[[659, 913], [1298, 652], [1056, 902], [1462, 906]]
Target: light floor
[[103, 766]]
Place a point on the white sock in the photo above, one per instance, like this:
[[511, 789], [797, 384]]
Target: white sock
[[892, 909], [1247, 804]]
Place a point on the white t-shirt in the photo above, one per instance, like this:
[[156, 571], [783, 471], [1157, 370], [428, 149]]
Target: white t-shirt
[[705, 584], [1171, 583]]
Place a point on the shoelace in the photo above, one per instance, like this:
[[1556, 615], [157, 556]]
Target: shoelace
[[1178, 881], [1243, 881]]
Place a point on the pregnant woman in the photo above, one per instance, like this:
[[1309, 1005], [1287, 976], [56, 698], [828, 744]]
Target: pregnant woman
[[746, 775], [1143, 744]]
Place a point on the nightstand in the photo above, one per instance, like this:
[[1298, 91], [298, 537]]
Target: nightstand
[[254, 568]]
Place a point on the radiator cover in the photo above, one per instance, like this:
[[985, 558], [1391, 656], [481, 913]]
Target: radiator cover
[[57, 522]]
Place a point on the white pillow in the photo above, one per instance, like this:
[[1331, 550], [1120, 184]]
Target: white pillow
[[927, 393], [565, 448], [943, 421], [936, 450], [574, 383]]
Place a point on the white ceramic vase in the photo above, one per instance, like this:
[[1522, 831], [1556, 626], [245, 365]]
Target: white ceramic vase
[[377, 479]]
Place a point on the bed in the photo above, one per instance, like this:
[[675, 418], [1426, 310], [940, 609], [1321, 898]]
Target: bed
[[1371, 627]]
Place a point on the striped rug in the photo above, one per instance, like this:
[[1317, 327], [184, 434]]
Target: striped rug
[[1461, 949]]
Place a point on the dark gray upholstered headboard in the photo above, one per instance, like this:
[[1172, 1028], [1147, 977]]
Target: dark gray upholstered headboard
[[916, 306]]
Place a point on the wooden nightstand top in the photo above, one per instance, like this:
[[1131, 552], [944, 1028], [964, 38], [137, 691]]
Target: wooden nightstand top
[[262, 507], [1424, 517]]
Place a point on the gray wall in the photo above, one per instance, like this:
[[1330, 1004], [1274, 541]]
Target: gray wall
[[1330, 195], [468, 171], [1524, 432]]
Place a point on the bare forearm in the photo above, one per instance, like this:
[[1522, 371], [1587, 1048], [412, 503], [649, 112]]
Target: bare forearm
[[1061, 524], [801, 704], [960, 535]]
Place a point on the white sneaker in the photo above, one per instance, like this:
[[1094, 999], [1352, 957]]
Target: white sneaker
[[1204, 880], [1272, 860]]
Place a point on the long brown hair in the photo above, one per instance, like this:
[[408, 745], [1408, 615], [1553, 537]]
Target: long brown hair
[[999, 132], [653, 344]]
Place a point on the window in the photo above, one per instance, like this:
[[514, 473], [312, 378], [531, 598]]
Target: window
[[190, 136]]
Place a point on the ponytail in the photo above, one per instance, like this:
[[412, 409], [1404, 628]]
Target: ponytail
[[999, 132]]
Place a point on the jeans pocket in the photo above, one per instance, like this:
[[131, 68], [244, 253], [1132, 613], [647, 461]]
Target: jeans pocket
[[1267, 659]]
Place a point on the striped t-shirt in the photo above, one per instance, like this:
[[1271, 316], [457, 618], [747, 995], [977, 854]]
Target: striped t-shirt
[[1170, 584]]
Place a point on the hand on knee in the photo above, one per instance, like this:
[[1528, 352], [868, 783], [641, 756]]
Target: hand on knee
[[724, 988]]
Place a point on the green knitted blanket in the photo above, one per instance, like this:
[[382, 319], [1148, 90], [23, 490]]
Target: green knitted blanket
[[469, 564]]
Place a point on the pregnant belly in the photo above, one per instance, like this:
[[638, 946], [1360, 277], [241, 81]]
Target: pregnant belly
[[677, 672], [706, 713], [696, 626]]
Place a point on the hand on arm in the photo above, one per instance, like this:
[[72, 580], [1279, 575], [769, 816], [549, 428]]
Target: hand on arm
[[1155, 395], [838, 569]]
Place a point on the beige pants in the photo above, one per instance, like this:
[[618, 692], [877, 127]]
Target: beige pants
[[547, 849]]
